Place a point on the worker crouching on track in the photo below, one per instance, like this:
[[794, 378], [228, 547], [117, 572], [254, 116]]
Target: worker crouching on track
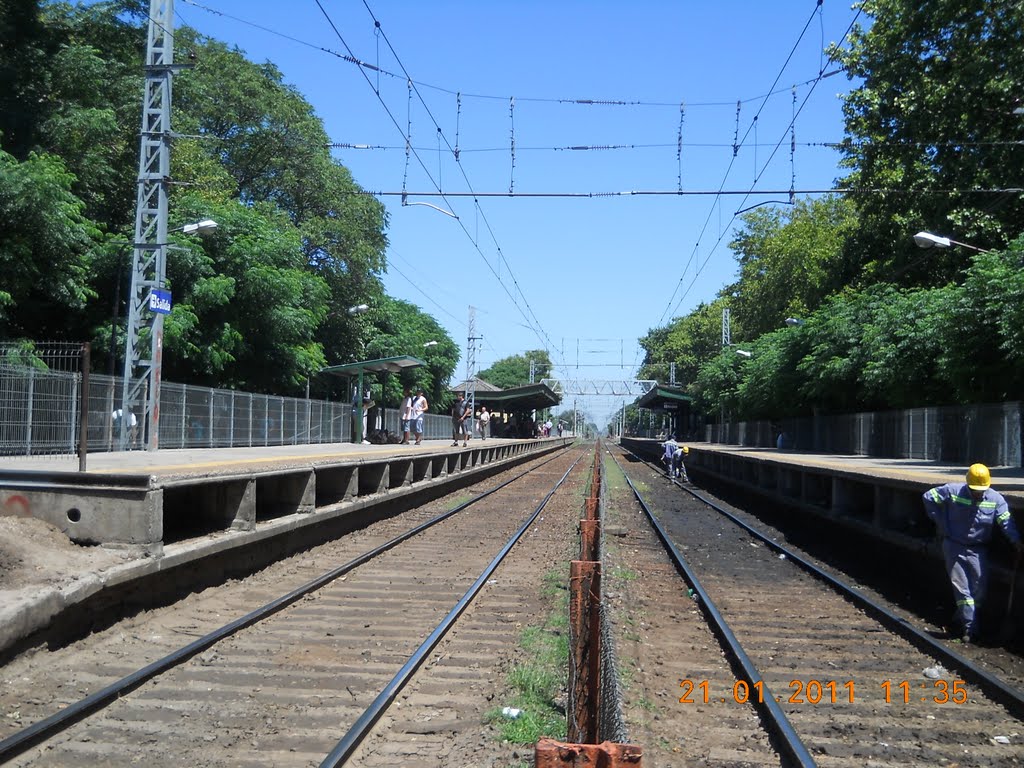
[[965, 514], [678, 463]]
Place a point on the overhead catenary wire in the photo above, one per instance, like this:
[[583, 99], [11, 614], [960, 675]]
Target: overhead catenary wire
[[738, 144], [792, 122], [535, 324]]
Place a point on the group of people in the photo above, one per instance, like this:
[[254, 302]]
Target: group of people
[[673, 458], [411, 415]]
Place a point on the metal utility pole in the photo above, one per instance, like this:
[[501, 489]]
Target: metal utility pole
[[726, 331], [471, 341], [672, 374], [141, 381]]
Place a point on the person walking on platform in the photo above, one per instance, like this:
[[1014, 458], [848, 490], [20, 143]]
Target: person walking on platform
[[668, 456], [965, 514], [459, 414]]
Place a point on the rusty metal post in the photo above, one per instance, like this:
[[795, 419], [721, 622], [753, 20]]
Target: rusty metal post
[[557, 754], [585, 650], [590, 539]]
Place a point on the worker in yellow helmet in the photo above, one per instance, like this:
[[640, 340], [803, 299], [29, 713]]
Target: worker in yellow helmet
[[965, 514]]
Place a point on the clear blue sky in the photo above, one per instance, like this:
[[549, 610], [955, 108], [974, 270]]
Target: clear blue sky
[[584, 277]]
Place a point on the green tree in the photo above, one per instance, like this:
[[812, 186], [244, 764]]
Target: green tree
[[933, 120], [789, 261], [514, 371], [246, 307], [982, 349], [394, 328], [688, 341], [45, 250]]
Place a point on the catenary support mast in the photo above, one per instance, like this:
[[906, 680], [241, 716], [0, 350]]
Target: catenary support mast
[[141, 381]]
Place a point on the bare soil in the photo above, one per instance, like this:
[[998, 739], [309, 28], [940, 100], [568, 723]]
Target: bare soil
[[35, 554]]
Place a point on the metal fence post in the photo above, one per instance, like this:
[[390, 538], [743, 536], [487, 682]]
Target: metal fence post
[[31, 397], [83, 415], [231, 421]]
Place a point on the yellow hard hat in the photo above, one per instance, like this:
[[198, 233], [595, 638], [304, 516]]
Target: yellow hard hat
[[978, 477], [686, 449]]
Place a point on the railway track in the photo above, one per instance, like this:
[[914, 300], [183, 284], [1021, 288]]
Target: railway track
[[315, 648], [798, 671]]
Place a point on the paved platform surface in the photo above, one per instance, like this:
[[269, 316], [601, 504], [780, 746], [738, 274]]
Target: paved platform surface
[[1008, 480], [207, 461]]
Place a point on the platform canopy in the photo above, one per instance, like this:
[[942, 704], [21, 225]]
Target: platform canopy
[[526, 398], [665, 398], [358, 369], [383, 365]]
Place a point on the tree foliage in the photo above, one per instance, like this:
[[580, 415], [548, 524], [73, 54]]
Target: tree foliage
[[514, 371], [789, 261], [262, 304], [933, 120]]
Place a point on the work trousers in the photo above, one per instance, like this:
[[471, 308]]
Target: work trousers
[[967, 571]]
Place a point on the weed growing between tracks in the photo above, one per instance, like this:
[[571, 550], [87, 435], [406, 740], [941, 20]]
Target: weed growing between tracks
[[541, 680]]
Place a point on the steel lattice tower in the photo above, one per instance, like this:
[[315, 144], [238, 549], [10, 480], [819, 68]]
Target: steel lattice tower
[[141, 382], [471, 341]]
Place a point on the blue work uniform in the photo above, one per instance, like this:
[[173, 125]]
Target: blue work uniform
[[670, 446], [966, 528]]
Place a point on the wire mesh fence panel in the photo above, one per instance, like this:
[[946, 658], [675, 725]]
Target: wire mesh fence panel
[[221, 418], [241, 421], [260, 421], [40, 398]]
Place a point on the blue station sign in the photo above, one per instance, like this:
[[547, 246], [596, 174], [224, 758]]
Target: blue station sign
[[160, 301]]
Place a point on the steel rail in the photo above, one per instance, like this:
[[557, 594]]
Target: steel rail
[[47, 728], [355, 735], [1012, 698], [778, 723]]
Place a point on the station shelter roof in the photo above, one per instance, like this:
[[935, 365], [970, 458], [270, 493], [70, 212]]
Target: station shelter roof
[[526, 398], [666, 398], [383, 365]]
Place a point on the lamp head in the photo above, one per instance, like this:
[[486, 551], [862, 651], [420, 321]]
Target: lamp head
[[928, 240]]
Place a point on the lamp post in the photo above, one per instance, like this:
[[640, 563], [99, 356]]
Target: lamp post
[[743, 353], [794, 321], [928, 240]]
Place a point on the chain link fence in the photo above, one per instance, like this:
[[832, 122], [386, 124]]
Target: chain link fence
[[964, 434], [41, 412]]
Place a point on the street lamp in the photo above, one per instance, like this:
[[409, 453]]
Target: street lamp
[[793, 321], [743, 353], [928, 240], [358, 309], [200, 227], [430, 344]]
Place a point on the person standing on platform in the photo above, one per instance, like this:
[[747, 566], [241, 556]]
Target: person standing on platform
[[419, 407], [965, 514], [459, 429], [405, 415], [483, 420]]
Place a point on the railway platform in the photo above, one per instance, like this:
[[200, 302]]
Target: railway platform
[[876, 496], [166, 511]]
